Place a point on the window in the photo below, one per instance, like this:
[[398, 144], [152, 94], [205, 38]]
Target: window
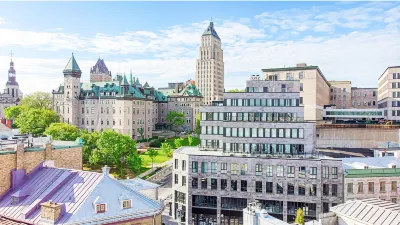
[[279, 188], [183, 180], [313, 172], [176, 164], [100, 208], [325, 189], [334, 189], [302, 189], [259, 186], [183, 165], [313, 190], [325, 172], [371, 187], [214, 184], [204, 167], [258, 169], [394, 200], [360, 187], [223, 184], [269, 171], [243, 185], [204, 183], [290, 171], [301, 86], [302, 172], [176, 179], [382, 186], [126, 204], [269, 187], [334, 172], [301, 100], [213, 167], [301, 75], [224, 167], [290, 189], [350, 188], [233, 168], [195, 182], [394, 186], [194, 167], [279, 171], [233, 185], [243, 169]]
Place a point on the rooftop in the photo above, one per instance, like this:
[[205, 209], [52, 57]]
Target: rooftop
[[72, 65], [369, 211], [211, 31], [296, 68], [388, 172], [370, 162], [78, 192], [138, 184]]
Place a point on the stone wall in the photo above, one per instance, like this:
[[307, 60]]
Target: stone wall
[[29, 159], [355, 137]]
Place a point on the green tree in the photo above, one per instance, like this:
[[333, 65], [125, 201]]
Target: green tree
[[152, 153], [236, 90], [198, 127], [190, 139], [178, 142], [141, 132], [62, 131], [299, 217], [177, 119], [35, 121], [116, 149], [166, 148], [37, 100], [90, 140], [12, 112]]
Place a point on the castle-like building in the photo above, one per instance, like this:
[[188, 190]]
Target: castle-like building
[[122, 104], [11, 94]]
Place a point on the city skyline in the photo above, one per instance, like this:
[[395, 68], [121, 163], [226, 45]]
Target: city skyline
[[347, 40]]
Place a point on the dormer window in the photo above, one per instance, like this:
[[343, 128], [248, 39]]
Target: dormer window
[[100, 208], [127, 204], [393, 166], [365, 167]]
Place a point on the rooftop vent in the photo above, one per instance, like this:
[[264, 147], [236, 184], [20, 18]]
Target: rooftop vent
[[255, 77], [301, 64]]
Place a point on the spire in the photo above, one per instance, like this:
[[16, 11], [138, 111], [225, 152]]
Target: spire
[[125, 81], [12, 80], [130, 79], [72, 68], [211, 31]]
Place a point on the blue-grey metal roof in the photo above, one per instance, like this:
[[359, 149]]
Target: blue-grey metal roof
[[371, 162], [138, 184]]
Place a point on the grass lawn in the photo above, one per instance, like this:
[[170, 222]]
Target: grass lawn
[[146, 161], [196, 141]]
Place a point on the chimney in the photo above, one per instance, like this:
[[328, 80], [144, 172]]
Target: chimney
[[20, 155], [301, 65], [50, 212], [106, 170], [48, 150]]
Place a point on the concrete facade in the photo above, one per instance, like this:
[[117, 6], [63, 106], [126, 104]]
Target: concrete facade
[[210, 66], [314, 88], [24, 158], [389, 93], [340, 94], [291, 185]]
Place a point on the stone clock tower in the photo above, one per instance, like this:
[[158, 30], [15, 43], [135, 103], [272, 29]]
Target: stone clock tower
[[72, 81]]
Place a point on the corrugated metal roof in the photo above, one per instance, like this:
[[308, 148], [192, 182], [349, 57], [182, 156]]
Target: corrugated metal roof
[[370, 211], [138, 184]]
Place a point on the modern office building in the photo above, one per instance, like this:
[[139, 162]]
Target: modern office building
[[254, 146], [372, 178], [210, 66], [314, 88], [389, 93]]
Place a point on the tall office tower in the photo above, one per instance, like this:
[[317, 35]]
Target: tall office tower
[[210, 66]]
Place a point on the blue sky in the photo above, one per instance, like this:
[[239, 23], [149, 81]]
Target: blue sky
[[159, 41]]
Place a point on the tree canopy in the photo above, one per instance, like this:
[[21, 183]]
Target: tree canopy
[[299, 217], [37, 100], [90, 139], [236, 90], [198, 127], [62, 131], [177, 119], [35, 121], [12, 112]]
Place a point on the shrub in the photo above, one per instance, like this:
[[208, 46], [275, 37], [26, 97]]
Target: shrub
[[155, 143]]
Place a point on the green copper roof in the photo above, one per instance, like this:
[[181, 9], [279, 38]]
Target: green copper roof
[[211, 31], [137, 83], [159, 96], [125, 82], [146, 85], [72, 65], [358, 173], [190, 90]]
